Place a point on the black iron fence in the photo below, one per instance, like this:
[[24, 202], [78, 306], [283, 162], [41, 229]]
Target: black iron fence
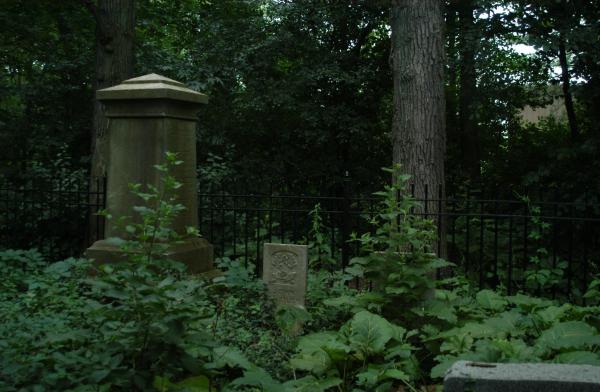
[[55, 215], [546, 247]]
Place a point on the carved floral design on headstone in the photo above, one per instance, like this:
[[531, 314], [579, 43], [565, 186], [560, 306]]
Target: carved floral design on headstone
[[284, 264]]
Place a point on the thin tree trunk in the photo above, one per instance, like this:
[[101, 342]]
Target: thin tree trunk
[[566, 87], [470, 138], [418, 129]]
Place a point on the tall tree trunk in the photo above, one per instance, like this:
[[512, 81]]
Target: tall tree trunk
[[418, 129], [566, 87], [115, 30], [470, 138], [452, 81]]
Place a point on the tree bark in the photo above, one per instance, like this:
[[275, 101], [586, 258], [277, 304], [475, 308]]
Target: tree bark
[[452, 81], [566, 87], [115, 30], [418, 129], [470, 138]]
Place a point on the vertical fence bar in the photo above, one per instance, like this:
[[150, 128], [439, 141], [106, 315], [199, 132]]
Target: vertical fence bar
[[246, 213], [345, 232], [495, 267], [234, 224], [570, 257], [258, 239], [439, 223], [452, 216], [223, 234], [586, 230], [212, 218], [510, 263], [271, 212], [281, 220], [526, 214], [426, 202], [481, 261], [468, 233], [554, 241], [295, 219]]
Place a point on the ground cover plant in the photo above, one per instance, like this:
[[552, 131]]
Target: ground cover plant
[[145, 324]]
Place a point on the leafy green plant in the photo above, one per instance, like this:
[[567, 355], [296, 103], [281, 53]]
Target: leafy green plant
[[242, 307], [542, 274], [397, 259], [593, 292], [367, 351], [371, 351], [132, 325], [320, 252], [491, 327]]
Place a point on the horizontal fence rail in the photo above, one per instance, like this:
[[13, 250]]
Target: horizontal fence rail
[[56, 216], [544, 247]]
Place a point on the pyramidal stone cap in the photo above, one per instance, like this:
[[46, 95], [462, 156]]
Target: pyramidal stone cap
[[151, 86]]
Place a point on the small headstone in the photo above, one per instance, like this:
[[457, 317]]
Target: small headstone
[[466, 376], [285, 272]]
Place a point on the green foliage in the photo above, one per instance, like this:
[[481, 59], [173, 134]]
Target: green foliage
[[543, 274], [367, 351], [593, 292], [45, 90], [242, 308], [150, 236], [495, 328], [131, 325], [397, 257], [320, 252]]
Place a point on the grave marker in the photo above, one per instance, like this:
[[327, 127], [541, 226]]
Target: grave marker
[[149, 116], [285, 272]]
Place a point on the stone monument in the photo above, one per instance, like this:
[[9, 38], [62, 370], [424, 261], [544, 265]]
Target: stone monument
[[285, 270], [147, 117]]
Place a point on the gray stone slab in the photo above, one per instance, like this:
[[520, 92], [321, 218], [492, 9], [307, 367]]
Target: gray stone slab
[[469, 376], [285, 272]]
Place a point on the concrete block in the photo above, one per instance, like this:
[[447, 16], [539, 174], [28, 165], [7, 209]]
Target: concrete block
[[469, 376]]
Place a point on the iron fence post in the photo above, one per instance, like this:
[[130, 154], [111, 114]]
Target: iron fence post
[[345, 235]]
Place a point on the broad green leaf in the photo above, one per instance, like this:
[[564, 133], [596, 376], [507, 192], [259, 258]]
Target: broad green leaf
[[446, 361], [491, 300], [569, 335], [369, 332], [505, 323], [528, 303], [312, 384], [396, 374], [312, 357], [553, 314], [258, 377], [442, 310], [228, 356], [193, 384], [289, 318], [579, 358], [369, 377]]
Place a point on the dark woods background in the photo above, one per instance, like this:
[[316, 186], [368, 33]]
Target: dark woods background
[[301, 91]]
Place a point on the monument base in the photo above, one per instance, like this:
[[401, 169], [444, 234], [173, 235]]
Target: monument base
[[195, 253]]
